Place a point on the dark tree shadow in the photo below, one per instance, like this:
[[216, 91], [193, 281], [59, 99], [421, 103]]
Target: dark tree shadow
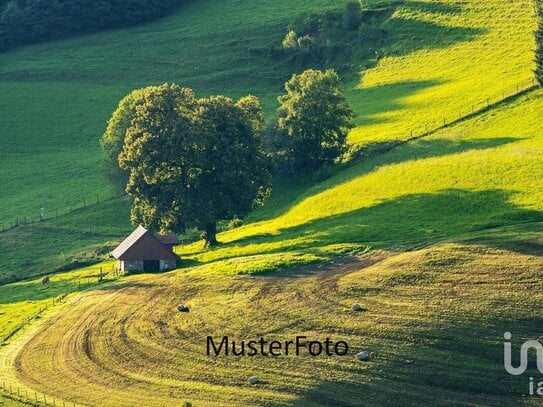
[[403, 223], [385, 98], [291, 191], [409, 36], [459, 364], [435, 7]]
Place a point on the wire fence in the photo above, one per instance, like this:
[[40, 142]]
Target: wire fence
[[29, 397], [430, 126], [82, 284], [422, 130], [18, 392], [47, 214]]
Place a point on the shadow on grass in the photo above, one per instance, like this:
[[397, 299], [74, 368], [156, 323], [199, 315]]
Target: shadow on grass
[[440, 356], [409, 35], [291, 191], [399, 224], [434, 7], [456, 364], [385, 98]]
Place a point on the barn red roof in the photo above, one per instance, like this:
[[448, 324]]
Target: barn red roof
[[142, 244]]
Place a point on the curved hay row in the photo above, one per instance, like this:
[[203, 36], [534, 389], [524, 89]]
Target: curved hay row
[[128, 345]]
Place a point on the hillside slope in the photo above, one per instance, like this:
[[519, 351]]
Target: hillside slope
[[482, 173], [432, 321], [441, 58], [56, 97], [439, 239], [433, 318]]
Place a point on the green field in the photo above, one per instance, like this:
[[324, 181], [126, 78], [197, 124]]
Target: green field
[[433, 322], [439, 238]]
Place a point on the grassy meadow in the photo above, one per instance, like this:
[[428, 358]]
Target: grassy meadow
[[56, 97], [439, 238], [479, 174], [432, 322]]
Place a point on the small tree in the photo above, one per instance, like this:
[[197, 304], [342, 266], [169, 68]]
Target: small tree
[[290, 40], [193, 162], [315, 114], [352, 15], [539, 42]]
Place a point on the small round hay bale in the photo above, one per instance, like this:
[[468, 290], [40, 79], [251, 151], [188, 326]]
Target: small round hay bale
[[182, 308], [357, 307], [362, 356], [253, 380]]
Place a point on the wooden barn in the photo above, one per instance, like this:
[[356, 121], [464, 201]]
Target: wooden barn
[[145, 251]]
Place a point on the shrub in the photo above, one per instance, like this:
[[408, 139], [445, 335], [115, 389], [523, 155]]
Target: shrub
[[306, 41], [235, 223], [352, 15], [290, 40]]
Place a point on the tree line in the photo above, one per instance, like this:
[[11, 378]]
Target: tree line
[[334, 38], [189, 162], [29, 21]]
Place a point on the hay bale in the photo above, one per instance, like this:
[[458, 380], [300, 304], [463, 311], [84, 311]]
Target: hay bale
[[253, 380], [182, 308], [357, 307], [362, 356]]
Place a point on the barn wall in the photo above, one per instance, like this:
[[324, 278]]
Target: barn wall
[[133, 265], [167, 264], [147, 248]]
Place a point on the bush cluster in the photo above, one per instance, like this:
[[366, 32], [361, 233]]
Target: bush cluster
[[332, 39]]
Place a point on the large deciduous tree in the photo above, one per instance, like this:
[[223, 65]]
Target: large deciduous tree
[[113, 139], [193, 162], [315, 114]]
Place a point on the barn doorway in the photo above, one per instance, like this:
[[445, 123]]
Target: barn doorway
[[151, 266]]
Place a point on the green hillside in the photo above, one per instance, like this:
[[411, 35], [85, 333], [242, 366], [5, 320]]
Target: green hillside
[[56, 98], [439, 237], [432, 322], [479, 174]]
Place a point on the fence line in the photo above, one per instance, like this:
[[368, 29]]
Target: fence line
[[33, 398], [54, 213], [112, 274], [430, 127], [422, 130]]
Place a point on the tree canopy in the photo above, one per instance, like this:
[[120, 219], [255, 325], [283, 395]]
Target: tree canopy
[[316, 116], [192, 162], [27, 21], [113, 139]]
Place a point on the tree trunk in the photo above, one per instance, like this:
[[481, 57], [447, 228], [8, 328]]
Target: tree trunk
[[211, 234]]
